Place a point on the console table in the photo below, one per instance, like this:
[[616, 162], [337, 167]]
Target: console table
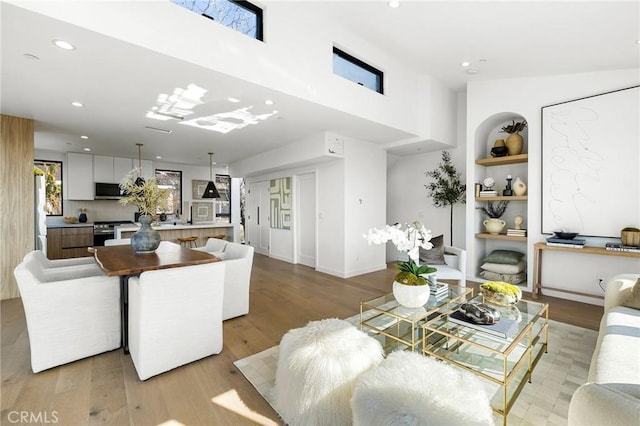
[[537, 264]]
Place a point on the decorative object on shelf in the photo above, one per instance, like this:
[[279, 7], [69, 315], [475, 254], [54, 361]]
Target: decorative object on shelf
[[517, 222], [480, 313], [82, 216], [409, 286], [514, 141], [149, 199], [499, 149], [500, 293], [488, 184], [630, 236], [519, 187], [448, 188], [563, 235], [477, 189], [494, 225], [507, 192]]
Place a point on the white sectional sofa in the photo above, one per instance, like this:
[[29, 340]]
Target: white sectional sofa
[[612, 394], [238, 259]]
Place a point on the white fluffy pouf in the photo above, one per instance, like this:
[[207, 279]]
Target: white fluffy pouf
[[411, 389], [318, 366]]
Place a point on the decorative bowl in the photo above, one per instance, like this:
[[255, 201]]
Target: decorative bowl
[[566, 235], [69, 219]]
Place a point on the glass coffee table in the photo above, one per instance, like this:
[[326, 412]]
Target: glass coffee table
[[399, 328], [506, 362]]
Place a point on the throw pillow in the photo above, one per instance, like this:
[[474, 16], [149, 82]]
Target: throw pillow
[[505, 257], [434, 256], [501, 268], [633, 300]]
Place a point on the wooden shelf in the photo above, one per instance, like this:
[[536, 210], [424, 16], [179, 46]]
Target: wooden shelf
[[499, 161], [503, 198], [499, 237]]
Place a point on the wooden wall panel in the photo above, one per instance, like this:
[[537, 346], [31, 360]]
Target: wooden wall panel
[[16, 198]]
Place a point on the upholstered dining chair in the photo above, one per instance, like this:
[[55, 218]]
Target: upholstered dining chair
[[175, 317], [70, 315]]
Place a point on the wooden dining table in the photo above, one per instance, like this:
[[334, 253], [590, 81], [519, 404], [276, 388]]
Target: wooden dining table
[[122, 261]]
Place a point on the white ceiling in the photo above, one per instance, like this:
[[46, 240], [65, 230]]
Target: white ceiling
[[500, 39]]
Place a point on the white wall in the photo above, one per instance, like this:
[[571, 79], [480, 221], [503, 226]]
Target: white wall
[[291, 34], [526, 96]]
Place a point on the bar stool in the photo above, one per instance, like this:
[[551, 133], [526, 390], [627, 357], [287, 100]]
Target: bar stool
[[219, 236], [190, 242]]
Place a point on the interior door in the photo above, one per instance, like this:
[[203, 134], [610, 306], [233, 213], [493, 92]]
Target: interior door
[[306, 196], [257, 217]]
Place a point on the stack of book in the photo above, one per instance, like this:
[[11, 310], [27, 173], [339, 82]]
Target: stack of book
[[439, 290], [563, 242], [517, 232], [488, 193], [620, 247]]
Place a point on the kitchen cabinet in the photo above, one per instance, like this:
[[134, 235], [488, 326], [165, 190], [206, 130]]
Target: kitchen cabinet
[[79, 181], [110, 169], [68, 242]]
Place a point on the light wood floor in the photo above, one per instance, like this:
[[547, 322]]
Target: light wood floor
[[105, 389]]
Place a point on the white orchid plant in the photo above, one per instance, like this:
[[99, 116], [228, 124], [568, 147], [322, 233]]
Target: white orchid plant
[[408, 240]]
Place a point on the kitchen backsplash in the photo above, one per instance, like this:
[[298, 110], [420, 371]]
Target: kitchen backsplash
[[97, 210]]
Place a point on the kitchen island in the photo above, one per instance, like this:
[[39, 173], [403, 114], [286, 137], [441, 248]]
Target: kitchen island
[[170, 232]]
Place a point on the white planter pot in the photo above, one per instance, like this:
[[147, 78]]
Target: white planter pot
[[494, 226], [411, 296]]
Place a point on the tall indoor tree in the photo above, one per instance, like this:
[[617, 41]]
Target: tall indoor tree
[[447, 188]]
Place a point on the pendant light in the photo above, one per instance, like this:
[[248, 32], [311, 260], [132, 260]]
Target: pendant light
[[140, 179], [211, 191]]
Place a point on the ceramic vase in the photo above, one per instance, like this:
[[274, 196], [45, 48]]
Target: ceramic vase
[[82, 218], [411, 296], [514, 143], [146, 239], [519, 187], [494, 226]]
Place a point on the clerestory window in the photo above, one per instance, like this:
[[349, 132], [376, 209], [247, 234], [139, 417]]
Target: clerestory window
[[357, 71], [242, 16]]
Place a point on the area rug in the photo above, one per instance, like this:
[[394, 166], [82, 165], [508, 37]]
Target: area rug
[[545, 401]]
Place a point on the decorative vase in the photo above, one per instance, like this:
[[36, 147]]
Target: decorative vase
[[82, 218], [411, 296], [514, 143], [519, 187], [146, 239], [494, 226]]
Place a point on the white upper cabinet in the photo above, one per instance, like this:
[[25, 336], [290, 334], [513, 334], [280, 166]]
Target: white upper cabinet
[[110, 169], [79, 173]]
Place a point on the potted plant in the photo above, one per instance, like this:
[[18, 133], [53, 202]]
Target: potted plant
[[149, 198], [514, 141], [448, 188], [494, 212], [410, 286]]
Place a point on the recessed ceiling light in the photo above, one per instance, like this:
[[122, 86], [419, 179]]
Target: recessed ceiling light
[[465, 64], [158, 157], [472, 71], [234, 100], [84, 137], [394, 3], [638, 41], [87, 149], [30, 56], [64, 44], [77, 104], [268, 102]]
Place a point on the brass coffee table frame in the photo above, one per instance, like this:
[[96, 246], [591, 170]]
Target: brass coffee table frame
[[400, 326], [474, 350]]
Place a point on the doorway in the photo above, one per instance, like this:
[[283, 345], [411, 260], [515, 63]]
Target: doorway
[[257, 217], [306, 220]]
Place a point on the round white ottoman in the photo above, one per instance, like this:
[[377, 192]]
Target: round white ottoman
[[411, 389], [318, 366]]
